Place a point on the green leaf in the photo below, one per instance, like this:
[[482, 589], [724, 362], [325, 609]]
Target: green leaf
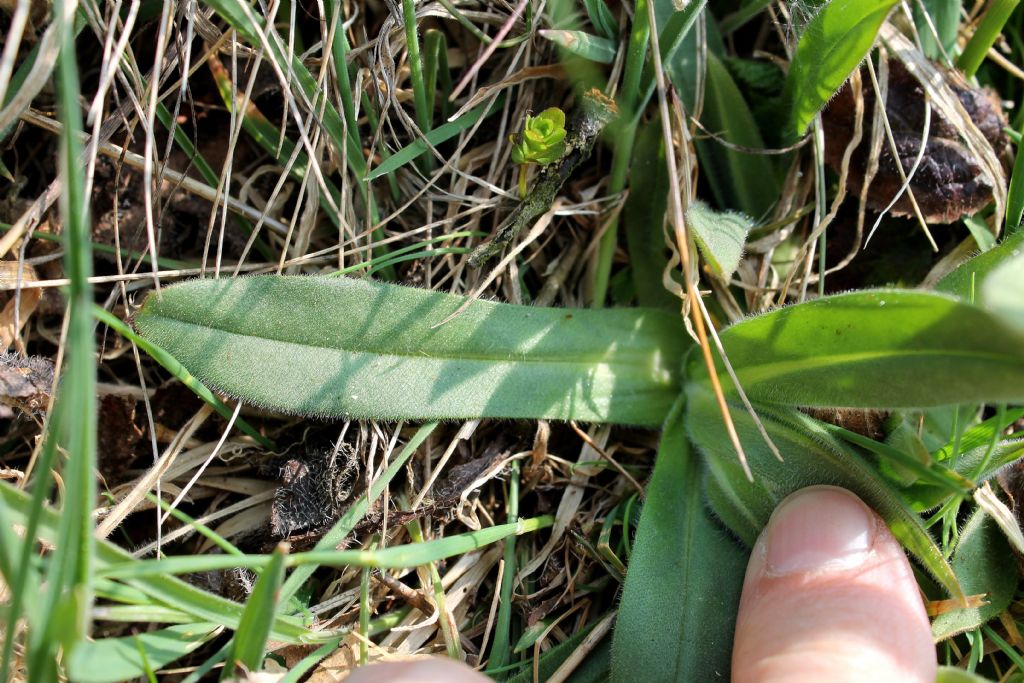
[[741, 181], [583, 44], [720, 236], [170, 364], [1015, 192], [335, 346], [250, 640], [813, 456], [1002, 292], [954, 674], [602, 18], [644, 219], [965, 280], [835, 41], [683, 581], [530, 636], [875, 349], [984, 563], [109, 660], [945, 17]]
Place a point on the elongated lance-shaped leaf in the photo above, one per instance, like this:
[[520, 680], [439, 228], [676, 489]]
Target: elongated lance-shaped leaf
[[812, 456], [832, 45], [355, 348], [684, 577], [876, 349]]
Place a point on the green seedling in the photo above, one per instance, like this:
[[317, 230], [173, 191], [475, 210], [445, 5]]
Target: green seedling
[[542, 141]]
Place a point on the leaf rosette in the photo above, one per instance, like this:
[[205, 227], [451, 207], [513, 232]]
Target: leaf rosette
[[542, 140]]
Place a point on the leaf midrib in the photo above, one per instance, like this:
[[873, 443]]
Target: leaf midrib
[[764, 372], [616, 358]]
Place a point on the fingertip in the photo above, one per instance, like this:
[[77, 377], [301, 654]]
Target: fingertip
[[829, 595]]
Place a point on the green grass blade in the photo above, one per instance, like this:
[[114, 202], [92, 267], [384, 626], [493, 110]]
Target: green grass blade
[[67, 595], [335, 346], [110, 660], [835, 41], [949, 480], [985, 36], [442, 133], [165, 590], [171, 364], [1015, 193], [876, 349], [684, 577], [412, 46], [813, 456], [250, 640], [435, 63], [396, 557], [501, 647], [344, 526]]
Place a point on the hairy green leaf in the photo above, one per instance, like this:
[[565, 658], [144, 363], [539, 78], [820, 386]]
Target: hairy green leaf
[[684, 577], [341, 347], [720, 236], [812, 456], [966, 278], [1002, 292], [876, 349], [110, 660], [830, 48], [983, 561]]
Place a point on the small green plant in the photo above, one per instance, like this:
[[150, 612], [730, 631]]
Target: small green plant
[[542, 141]]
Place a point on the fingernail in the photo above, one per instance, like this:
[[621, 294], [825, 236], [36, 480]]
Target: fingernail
[[818, 529]]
